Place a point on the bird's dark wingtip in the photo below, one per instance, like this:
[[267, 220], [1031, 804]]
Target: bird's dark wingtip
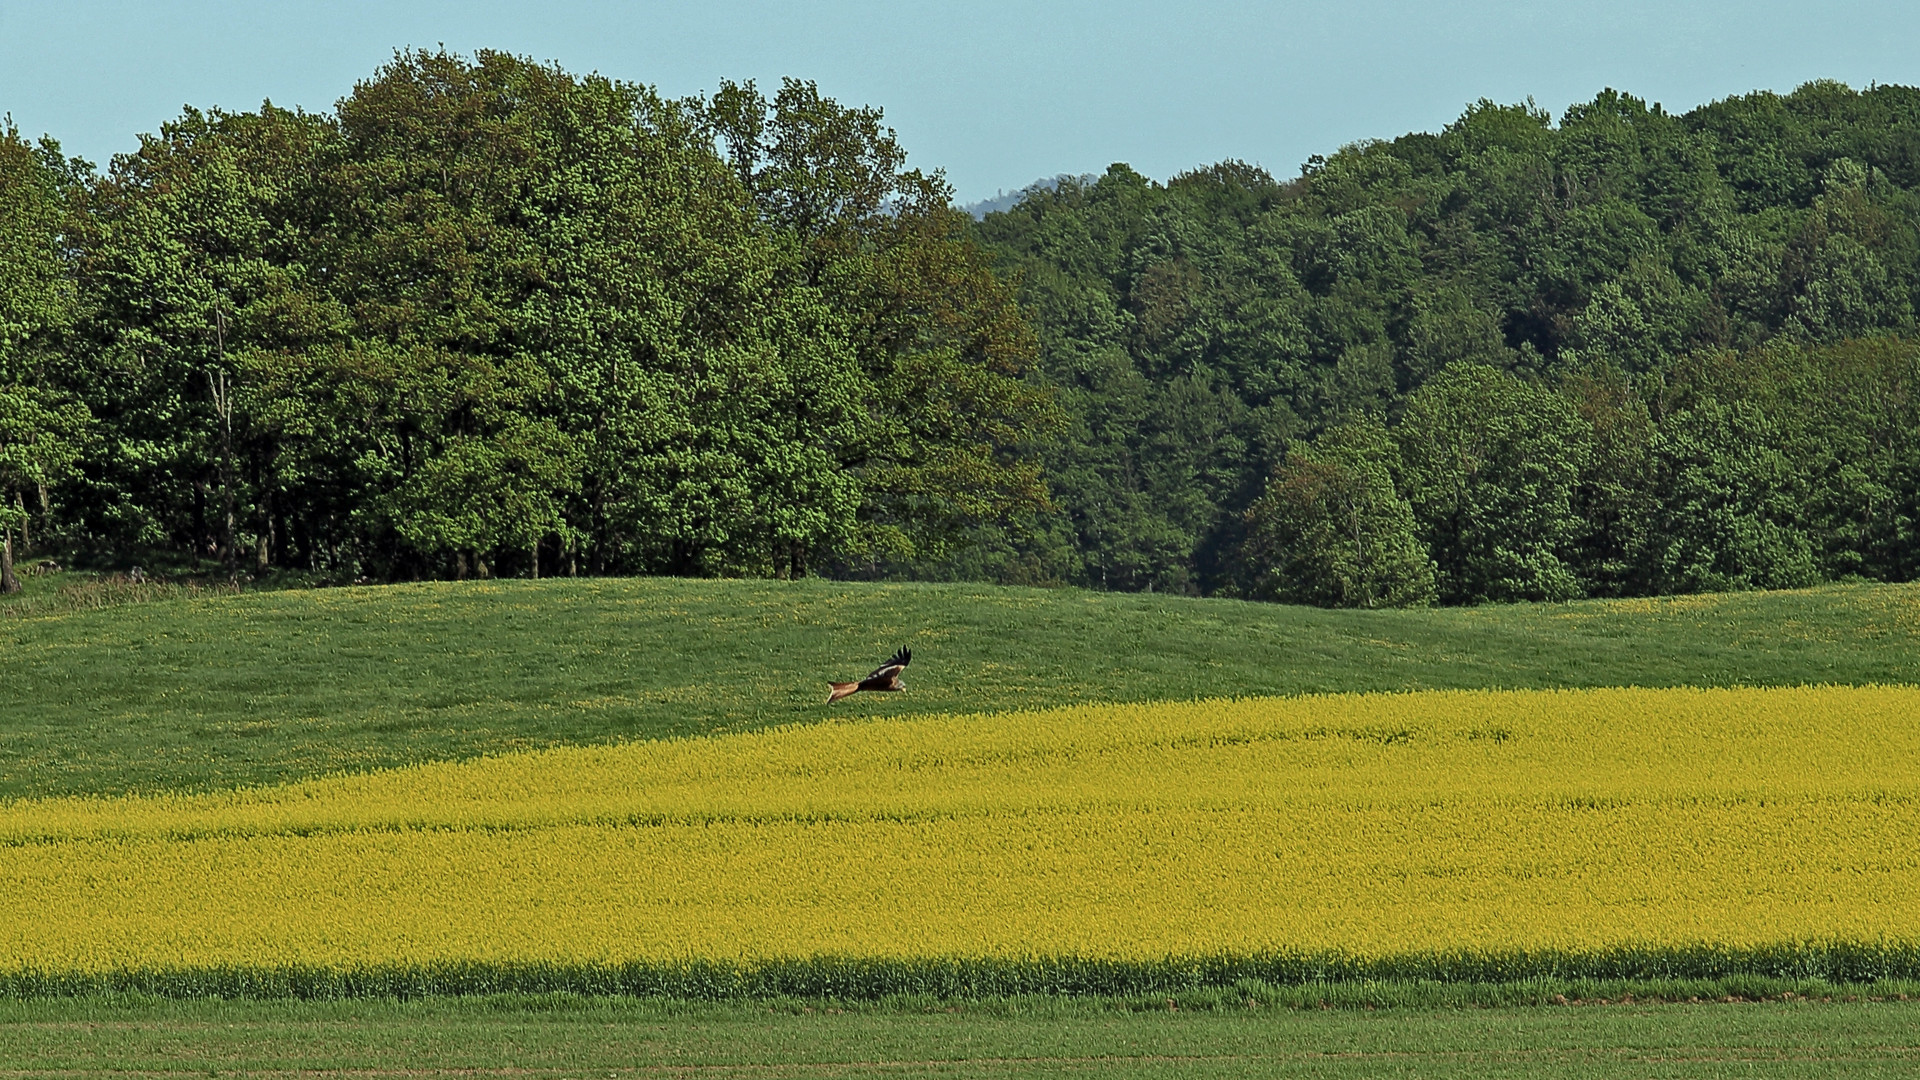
[[903, 658]]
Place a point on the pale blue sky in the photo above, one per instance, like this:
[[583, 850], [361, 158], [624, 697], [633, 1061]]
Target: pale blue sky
[[998, 93]]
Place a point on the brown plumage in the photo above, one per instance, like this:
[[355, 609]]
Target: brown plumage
[[884, 677]]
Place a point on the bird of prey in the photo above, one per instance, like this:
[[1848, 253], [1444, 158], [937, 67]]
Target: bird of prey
[[884, 677]]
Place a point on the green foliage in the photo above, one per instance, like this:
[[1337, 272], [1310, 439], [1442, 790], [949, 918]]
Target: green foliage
[[42, 430], [40, 440], [1852, 415], [489, 317], [1728, 502], [192, 259], [1595, 256], [36, 297], [1491, 464], [487, 313], [948, 420], [1614, 500], [1332, 530]]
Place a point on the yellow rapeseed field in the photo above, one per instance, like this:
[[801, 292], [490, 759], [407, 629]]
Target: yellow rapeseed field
[[1366, 825]]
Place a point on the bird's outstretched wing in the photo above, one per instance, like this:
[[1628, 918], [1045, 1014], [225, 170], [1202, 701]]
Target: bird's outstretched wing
[[892, 666], [884, 677]]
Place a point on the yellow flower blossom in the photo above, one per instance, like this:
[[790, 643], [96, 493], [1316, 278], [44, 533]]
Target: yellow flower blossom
[[1363, 825]]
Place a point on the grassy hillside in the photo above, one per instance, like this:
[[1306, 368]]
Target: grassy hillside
[[214, 691]]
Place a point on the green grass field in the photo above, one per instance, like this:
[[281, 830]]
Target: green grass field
[[212, 691], [226, 690], [567, 1037]]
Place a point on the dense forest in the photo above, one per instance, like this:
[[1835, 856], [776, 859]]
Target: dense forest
[[1626, 353], [489, 318], [486, 317]]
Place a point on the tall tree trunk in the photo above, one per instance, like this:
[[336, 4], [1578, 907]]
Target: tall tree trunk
[[262, 544], [8, 582], [226, 532], [201, 535], [597, 537], [299, 534], [226, 494], [220, 388], [533, 564], [26, 542]]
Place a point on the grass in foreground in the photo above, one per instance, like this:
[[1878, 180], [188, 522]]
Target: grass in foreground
[[199, 694], [1013, 1038]]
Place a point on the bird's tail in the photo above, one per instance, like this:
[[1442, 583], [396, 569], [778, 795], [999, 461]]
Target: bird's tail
[[840, 690]]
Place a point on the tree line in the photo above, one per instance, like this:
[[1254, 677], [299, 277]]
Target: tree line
[[1623, 353], [487, 317]]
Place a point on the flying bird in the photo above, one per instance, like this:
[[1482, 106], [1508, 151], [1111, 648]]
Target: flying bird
[[884, 677]]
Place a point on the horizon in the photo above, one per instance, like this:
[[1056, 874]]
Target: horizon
[[998, 99]]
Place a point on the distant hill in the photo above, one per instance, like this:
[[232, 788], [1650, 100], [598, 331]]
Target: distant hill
[[1007, 200]]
